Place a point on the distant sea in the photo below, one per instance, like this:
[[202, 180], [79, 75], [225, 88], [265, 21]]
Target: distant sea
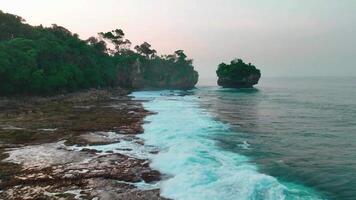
[[289, 138]]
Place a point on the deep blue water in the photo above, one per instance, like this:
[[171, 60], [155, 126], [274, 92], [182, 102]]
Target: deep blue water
[[286, 139]]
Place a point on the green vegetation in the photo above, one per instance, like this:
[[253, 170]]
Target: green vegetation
[[40, 60], [238, 74]]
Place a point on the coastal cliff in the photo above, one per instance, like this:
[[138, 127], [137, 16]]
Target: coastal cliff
[[158, 73], [62, 98], [37, 60], [238, 74]]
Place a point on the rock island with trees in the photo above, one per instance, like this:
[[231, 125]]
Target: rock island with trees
[[238, 74]]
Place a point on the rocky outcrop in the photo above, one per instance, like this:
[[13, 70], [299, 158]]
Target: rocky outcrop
[[83, 179], [246, 82], [238, 74], [48, 148], [183, 83], [154, 75]]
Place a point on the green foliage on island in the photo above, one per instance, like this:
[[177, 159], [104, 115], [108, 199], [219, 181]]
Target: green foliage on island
[[50, 60], [238, 74]]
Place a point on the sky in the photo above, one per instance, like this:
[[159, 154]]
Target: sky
[[281, 37]]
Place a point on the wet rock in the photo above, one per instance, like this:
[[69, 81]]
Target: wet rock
[[91, 151], [154, 152], [112, 166], [126, 149], [150, 176], [141, 195], [41, 156], [96, 138], [38, 164]]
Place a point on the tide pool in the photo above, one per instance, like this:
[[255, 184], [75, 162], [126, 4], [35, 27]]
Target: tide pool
[[196, 167]]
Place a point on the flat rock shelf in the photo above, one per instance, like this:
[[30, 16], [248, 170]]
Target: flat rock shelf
[[75, 146]]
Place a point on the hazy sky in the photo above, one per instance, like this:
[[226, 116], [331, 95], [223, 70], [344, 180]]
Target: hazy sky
[[281, 37]]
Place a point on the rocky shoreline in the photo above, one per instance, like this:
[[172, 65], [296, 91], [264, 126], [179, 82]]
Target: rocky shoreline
[[48, 147]]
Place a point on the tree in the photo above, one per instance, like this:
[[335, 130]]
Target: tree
[[99, 45], [145, 49], [116, 37], [12, 26], [181, 55], [38, 60]]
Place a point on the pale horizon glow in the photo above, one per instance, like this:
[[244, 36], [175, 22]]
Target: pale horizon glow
[[282, 38]]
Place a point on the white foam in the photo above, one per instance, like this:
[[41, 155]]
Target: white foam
[[199, 168], [245, 145], [130, 146]]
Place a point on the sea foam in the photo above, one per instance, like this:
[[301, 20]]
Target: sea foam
[[197, 168]]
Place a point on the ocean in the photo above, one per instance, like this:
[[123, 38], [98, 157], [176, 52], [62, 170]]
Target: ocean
[[289, 138]]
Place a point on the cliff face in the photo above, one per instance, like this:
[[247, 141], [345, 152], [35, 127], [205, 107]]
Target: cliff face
[[238, 74], [246, 82], [152, 75], [183, 83]]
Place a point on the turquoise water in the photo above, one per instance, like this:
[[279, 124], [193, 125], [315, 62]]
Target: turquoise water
[[300, 130], [189, 130]]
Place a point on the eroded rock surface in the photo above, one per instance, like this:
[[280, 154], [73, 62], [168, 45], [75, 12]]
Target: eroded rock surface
[[37, 137]]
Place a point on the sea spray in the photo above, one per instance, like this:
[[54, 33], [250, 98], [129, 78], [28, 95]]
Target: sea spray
[[197, 167]]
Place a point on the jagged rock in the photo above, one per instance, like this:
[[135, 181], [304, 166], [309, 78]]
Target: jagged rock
[[38, 164], [247, 82]]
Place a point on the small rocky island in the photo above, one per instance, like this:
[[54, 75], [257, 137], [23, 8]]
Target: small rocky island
[[238, 74]]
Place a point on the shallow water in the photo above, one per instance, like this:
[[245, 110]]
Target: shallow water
[[205, 154]]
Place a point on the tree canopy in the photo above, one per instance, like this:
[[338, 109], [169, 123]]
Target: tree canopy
[[49, 60]]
